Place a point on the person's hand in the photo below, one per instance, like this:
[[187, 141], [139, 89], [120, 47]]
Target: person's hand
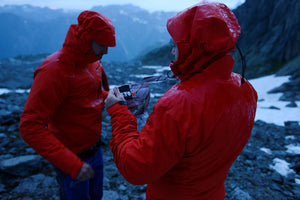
[[114, 96], [86, 172]]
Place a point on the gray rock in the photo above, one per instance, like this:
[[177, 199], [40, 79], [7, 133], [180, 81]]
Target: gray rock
[[274, 108], [2, 188], [2, 135], [4, 113], [29, 151], [22, 166], [26, 198], [277, 178], [109, 195], [122, 187], [292, 105], [239, 194], [276, 187], [105, 183], [296, 167], [290, 177], [37, 185], [13, 127], [4, 142], [5, 156], [296, 192], [291, 124]]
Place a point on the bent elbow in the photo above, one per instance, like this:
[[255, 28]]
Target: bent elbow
[[137, 174]]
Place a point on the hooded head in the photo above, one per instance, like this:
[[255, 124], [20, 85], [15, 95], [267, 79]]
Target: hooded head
[[203, 33], [91, 26]]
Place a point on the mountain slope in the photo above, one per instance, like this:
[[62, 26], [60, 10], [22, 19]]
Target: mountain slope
[[270, 34], [270, 37], [137, 30]]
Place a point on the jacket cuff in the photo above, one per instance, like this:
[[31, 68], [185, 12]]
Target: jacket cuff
[[115, 107], [76, 171]]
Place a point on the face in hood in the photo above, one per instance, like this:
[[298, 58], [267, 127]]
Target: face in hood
[[92, 26], [203, 33]]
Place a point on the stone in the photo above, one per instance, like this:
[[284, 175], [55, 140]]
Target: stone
[[292, 105], [275, 187], [22, 165], [277, 178], [2, 188], [2, 135], [4, 113], [238, 194], [291, 124], [274, 108], [122, 187], [37, 185], [296, 167], [109, 195]]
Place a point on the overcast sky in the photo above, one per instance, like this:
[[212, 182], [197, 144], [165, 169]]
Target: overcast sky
[[151, 5]]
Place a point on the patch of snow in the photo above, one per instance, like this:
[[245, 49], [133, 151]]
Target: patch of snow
[[266, 150], [293, 149], [265, 100], [281, 166], [122, 12], [136, 19], [290, 137], [153, 95], [158, 69], [4, 91]]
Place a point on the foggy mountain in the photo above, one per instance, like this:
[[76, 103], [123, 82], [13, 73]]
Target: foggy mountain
[[27, 30]]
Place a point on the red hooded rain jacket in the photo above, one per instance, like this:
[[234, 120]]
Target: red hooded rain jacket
[[62, 115], [199, 126]]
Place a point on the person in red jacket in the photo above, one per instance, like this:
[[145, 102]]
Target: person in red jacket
[[61, 119], [199, 126]]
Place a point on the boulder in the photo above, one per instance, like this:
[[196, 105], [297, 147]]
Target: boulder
[[22, 165]]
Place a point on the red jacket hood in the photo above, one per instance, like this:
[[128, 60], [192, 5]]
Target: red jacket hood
[[203, 33], [91, 26]]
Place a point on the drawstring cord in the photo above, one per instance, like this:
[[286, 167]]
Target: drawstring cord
[[243, 64]]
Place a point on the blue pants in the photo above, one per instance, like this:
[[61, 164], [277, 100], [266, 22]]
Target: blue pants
[[92, 189]]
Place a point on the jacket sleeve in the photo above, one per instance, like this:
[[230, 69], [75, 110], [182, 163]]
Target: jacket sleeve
[[143, 157], [48, 90]]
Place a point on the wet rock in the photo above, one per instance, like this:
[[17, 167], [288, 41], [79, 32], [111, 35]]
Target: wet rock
[[290, 177], [4, 113], [2, 188], [250, 155], [4, 142], [239, 194], [109, 195], [106, 183], [291, 124], [276, 187], [37, 185], [296, 191], [122, 187], [22, 166], [274, 108], [296, 167], [292, 105], [277, 178]]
